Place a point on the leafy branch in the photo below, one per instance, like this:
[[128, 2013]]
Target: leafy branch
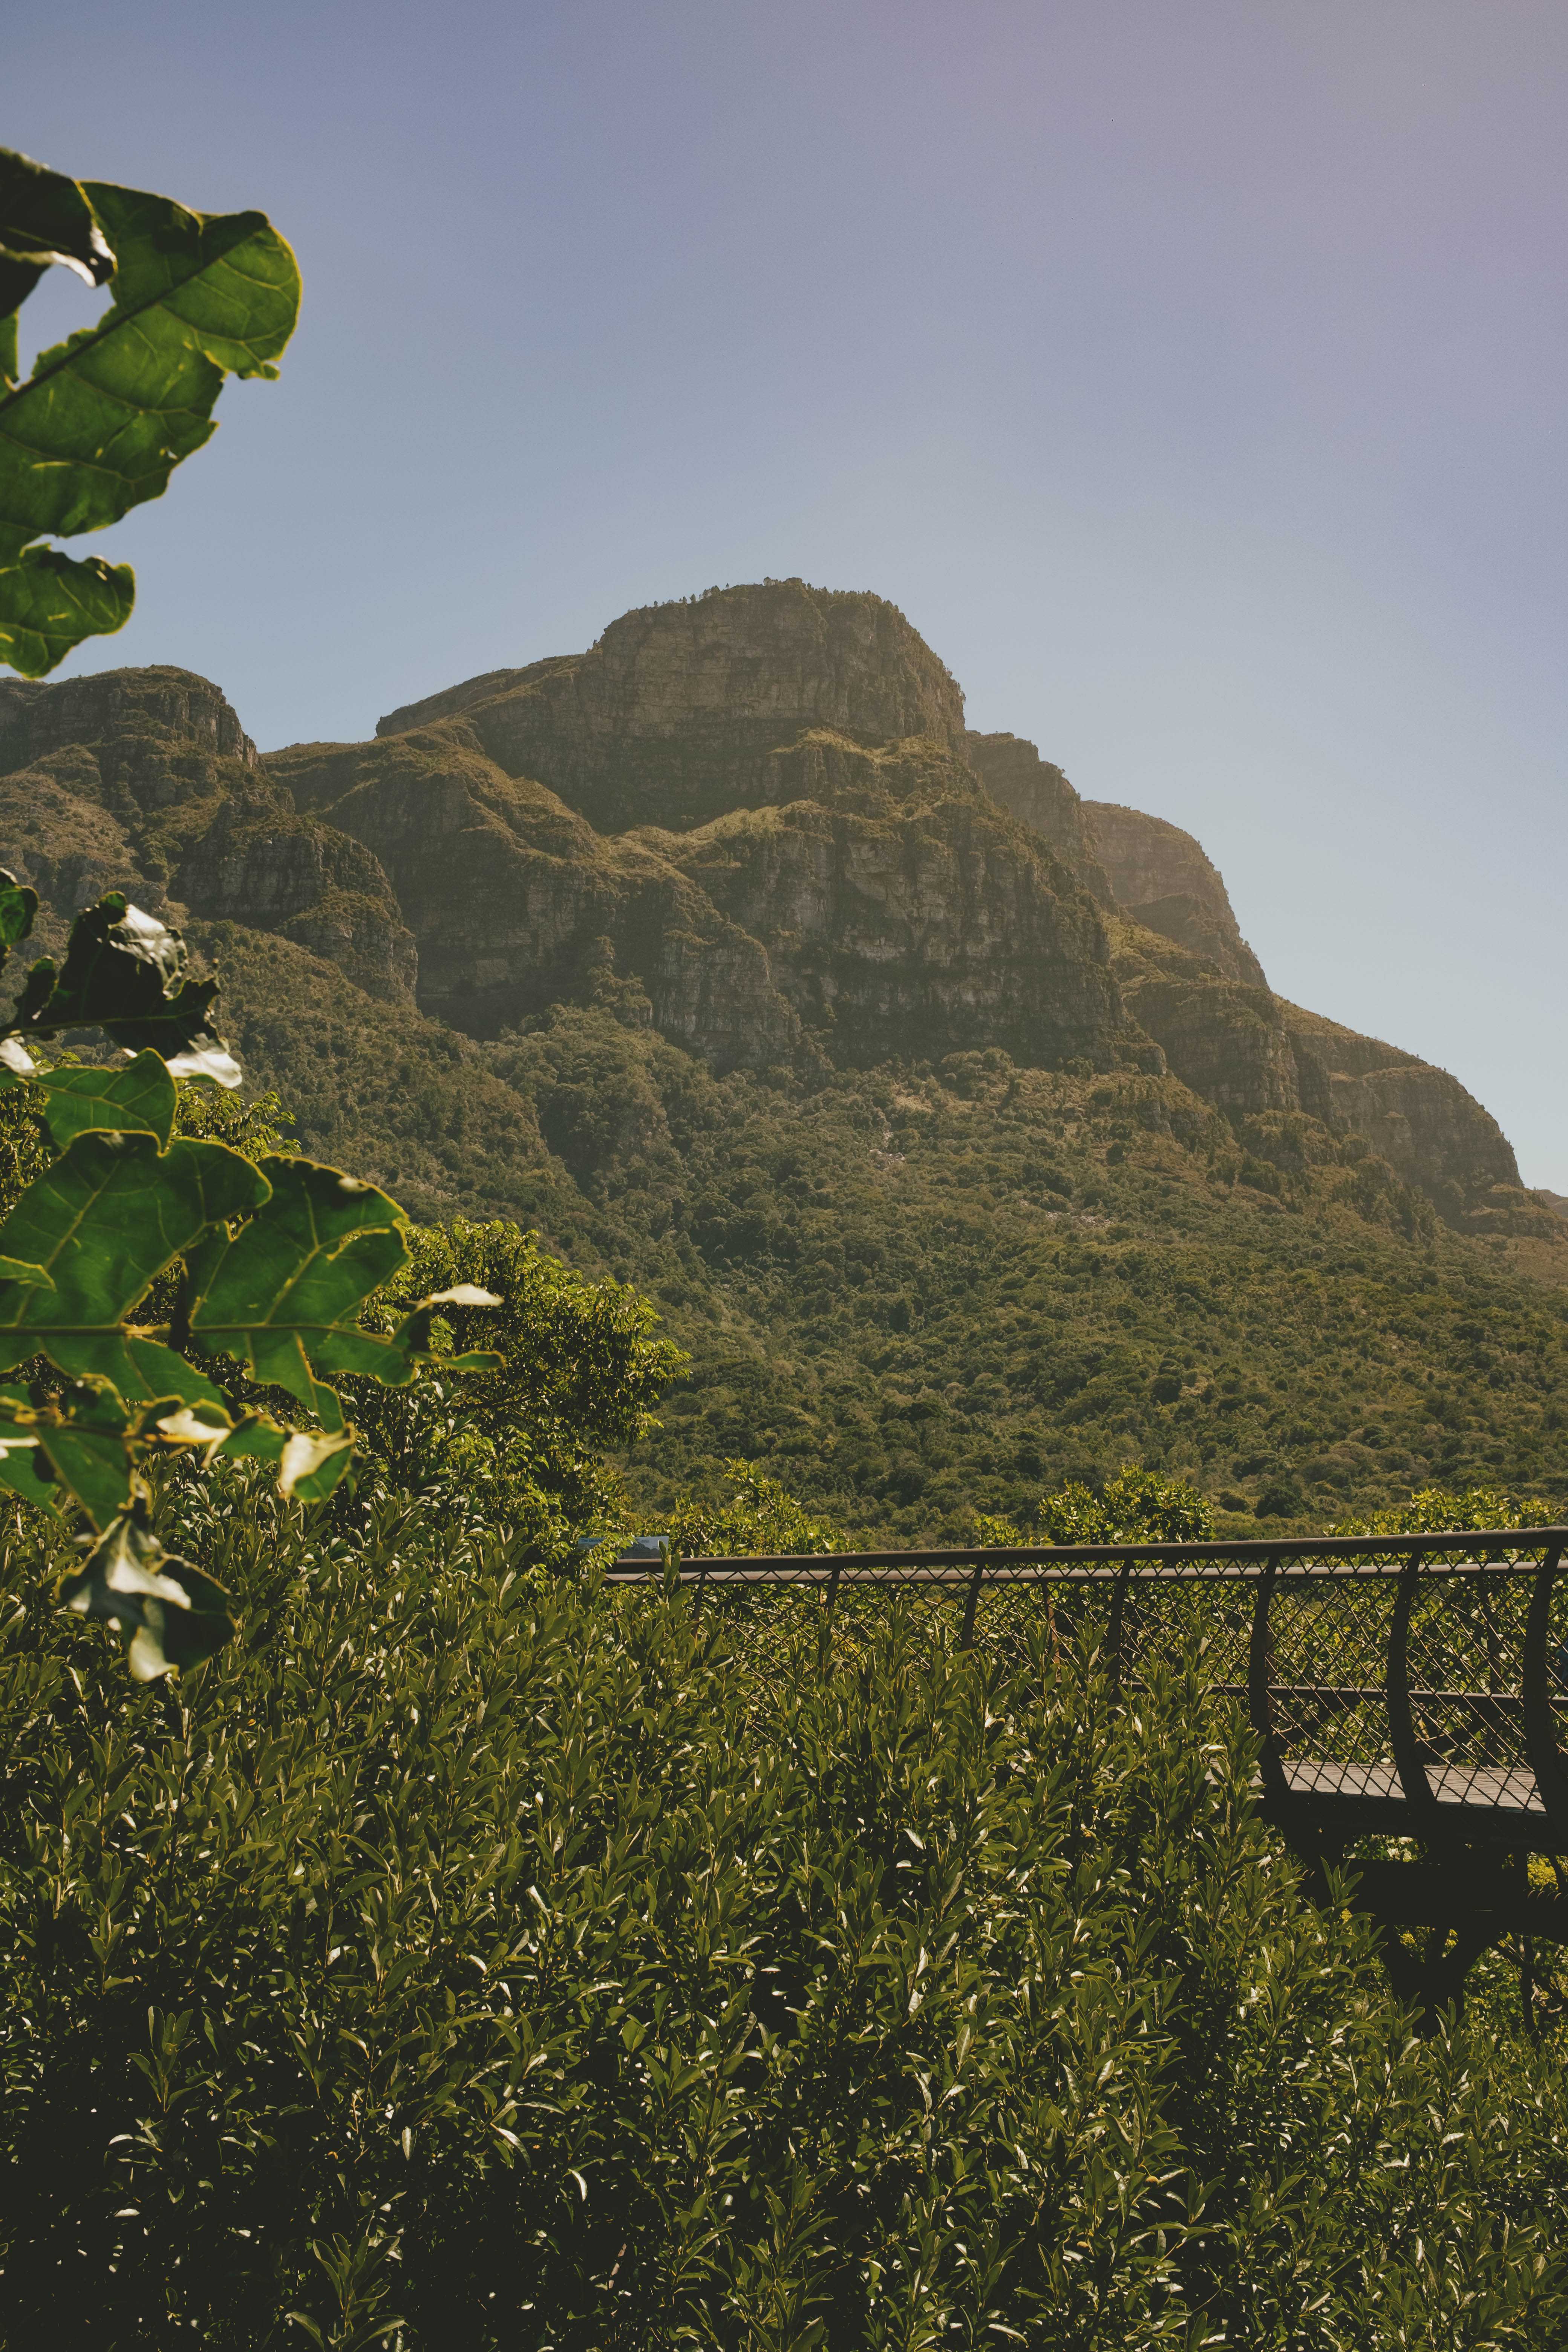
[[106, 415], [276, 1260]]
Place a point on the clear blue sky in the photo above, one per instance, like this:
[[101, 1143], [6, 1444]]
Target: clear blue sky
[[1193, 375]]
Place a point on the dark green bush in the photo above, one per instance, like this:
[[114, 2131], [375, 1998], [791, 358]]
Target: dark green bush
[[1135, 1506], [463, 1959]]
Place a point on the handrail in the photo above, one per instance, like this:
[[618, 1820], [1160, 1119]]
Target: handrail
[[1248, 1555]]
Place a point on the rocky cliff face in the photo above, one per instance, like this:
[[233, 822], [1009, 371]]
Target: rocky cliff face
[[753, 821], [517, 904], [144, 781], [1421, 1121], [900, 917], [1038, 794], [814, 858], [1160, 876], [673, 717]]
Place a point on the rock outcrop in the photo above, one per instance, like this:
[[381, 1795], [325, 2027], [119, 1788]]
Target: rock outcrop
[[518, 904], [674, 716], [1160, 876], [901, 915], [1225, 1040], [1421, 1121], [753, 821], [1038, 794], [145, 780]]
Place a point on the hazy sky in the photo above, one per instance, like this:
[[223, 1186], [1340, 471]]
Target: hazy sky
[[1191, 373]]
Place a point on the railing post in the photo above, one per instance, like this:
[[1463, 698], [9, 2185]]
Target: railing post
[[1546, 1758], [967, 1637], [1113, 1631], [1259, 1697], [1401, 1717]]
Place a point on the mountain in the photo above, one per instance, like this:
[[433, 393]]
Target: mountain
[[929, 1096]]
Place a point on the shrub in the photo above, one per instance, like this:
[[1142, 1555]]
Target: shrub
[[1135, 1506], [462, 1959], [758, 1515]]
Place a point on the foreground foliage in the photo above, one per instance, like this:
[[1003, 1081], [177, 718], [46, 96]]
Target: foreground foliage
[[263, 1264], [463, 1958], [106, 415]]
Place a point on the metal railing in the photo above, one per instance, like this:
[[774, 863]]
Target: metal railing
[[1412, 1685]]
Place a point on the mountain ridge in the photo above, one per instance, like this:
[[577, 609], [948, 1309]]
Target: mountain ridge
[[1020, 1029]]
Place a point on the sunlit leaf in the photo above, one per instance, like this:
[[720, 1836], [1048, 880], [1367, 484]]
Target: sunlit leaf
[[25, 1469], [44, 218], [18, 906], [173, 1614], [18, 1269], [138, 1098], [125, 973], [49, 601], [108, 1217], [284, 1294], [309, 1462], [106, 416]]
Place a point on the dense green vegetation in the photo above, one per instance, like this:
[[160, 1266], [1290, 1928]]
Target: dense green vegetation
[[916, 1293], [163, 1293], [467, 1954], [468, 1959], [925, 1294]]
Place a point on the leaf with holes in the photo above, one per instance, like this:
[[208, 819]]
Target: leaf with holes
[[51, 602], [44, 218], [103, 1223], [125, 973], [284, 1293]]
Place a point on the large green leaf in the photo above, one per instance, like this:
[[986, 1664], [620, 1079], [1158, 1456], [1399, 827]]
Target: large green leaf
[[106, 415], [89, 1444], [125, 973], [25, 1467], [82, 1445], [108, 1217], [18, 905], [139, 1098], [172, 1614], [49, 601], [44, 218], [284, 1294]]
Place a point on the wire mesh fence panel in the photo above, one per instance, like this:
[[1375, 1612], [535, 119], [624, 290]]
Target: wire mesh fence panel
[[1160, 1619], [1555, 1659], [1465, 1667], [1391, 1677], [1326, 1672]]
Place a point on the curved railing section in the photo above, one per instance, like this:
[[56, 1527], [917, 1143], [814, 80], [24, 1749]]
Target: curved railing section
[[1414, 1685]]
